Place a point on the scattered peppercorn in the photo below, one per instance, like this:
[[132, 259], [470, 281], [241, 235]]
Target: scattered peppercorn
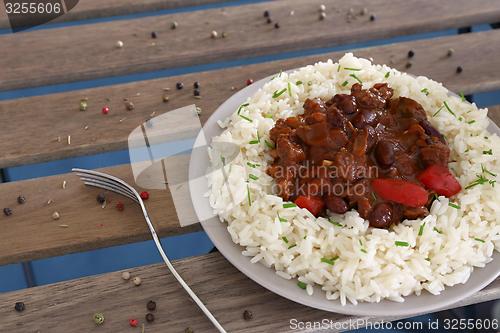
[[269, 20], [105, 110], [411, 54], [459, 69], [144, 195], [150, 317], [179, 85], [151, 306], [224, 34], [189, 330], [83, 105], [129, 105], [120, 206], [247, 315], [322, 8], [266, 13], [249, 82], [56, 216], [21, 199], [276, 25], [98, 319], [372, 17], [196, 92], [408, 64], [450, 52], [137, 281], [364, 11], [196, 85], [133, 322], [214, 34], [20, 307], [126, 276], [119, 44], [153, 34], [101, 198], [322, 16], [165, 99], [7, 211], [174, 25]]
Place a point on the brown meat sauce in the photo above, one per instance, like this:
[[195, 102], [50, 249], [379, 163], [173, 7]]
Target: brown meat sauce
[[336, 147]]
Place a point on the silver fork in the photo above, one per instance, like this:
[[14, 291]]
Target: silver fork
[[114, 184]]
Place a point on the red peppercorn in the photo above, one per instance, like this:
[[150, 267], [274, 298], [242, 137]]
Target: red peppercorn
[[133, 322], [120, 206], [105, 110], [144, 195], [249, 82]]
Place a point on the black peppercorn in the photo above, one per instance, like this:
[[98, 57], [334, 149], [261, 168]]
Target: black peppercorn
[[101, 198], [189, 330], [408, 64], [372, 17], [459, 69], [247, 315], [276, 25], [266, 13], [151, 306], [7, 211], [269, 20], [20, 307], [411, 54], [179, 85], [196, 92], [153, 34], [196, 85], [21, 199], [150, 317]]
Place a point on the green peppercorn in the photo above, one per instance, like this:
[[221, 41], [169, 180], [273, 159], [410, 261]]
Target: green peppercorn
[[83, 104], [98, 319]]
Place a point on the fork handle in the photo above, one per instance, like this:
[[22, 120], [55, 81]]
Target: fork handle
[[178, 277]]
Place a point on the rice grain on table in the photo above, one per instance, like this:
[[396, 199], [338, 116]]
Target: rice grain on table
[[452, 242]]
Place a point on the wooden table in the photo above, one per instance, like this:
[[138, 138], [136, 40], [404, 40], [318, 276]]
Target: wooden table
[[35, 129]]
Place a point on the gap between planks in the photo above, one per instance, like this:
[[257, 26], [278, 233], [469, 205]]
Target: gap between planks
[[58, 115], [87, 52]]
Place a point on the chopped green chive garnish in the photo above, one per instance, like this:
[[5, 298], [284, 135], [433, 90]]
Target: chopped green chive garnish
[[298, 83], [292, 246], [248, 195], [345, 83], [352, 69], [484, 170], [400, 243], [462, 96], [277, 93], [387, 75], [421, 229], [282, 219], [374, 196], [437, 230], [428, 259], [335, 223], [289, 89], [253, 142], [439, 110], [269, 144], [329, 261], [488, 152], [253, 165], [246, 118], [242, 106], [471, 122], [425, 91], [289, 205], [338, 68], [449, 109], [253, 177], [363, 250], [223, 159], [355, 77], [284, 239], [454, 205], [480, 240], [301, 285], [266, 115], [480, 180]]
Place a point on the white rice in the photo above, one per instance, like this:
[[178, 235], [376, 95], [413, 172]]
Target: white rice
[[370, 266]]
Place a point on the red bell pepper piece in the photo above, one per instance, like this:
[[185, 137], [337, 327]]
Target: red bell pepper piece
[[400, 191], [313, 204], [439, 179]]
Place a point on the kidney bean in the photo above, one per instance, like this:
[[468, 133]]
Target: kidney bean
[[381, 216], [384, 153], [336, 204]]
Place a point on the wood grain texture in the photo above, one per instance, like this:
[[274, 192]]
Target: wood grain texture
[[91, 9], [31, 233], [58, 115], [69, 306], [87, 52]]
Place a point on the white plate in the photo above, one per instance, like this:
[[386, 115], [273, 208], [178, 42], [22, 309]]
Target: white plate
[[267, 278]]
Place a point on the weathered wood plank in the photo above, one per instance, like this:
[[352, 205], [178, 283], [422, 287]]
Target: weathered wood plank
[[91, 9], [31, 233], [58, 115], [494, 113], [69, 306], [89, 51]]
